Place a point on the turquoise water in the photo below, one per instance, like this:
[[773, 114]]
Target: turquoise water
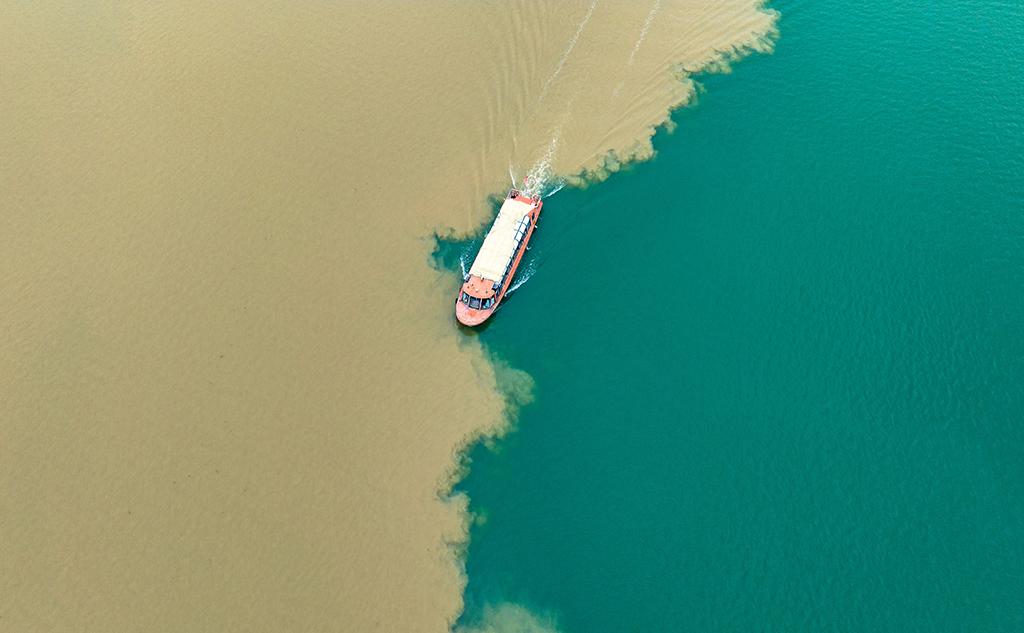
[[780, 367]]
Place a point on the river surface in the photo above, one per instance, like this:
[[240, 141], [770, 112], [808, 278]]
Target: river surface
[[232, 396], [780, 367]]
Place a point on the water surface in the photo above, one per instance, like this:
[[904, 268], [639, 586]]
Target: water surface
[[780, 368]]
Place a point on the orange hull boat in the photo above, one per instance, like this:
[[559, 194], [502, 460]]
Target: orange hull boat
[[495, 265]]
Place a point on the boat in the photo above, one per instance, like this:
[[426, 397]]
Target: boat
[[495, 265]]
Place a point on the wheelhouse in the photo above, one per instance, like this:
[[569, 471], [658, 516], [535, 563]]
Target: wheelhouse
[[478, 303]]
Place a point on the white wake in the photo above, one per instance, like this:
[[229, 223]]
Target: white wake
[[565, 56], [643, 34], [462, 263], [526, 274]]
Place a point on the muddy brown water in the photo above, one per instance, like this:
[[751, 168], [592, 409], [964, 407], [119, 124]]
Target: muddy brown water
[[231, 386]]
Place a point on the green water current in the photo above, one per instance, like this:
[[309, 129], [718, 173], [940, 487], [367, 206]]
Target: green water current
[[780, 368]]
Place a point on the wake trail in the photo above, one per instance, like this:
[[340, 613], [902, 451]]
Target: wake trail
[[462, 263], [540, 172], [565, 56], [526, 277], [643, 34], [540, 177]]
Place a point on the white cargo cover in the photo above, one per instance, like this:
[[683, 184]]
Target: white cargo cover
[[500, 244]]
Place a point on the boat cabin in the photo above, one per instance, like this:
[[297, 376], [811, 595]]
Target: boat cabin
[[478, 293]]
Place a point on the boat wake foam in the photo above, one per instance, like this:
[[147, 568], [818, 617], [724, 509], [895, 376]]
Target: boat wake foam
[[565, 56], [528, 271], [541, 179], [617, 107], [643, 33], [632, 56]]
